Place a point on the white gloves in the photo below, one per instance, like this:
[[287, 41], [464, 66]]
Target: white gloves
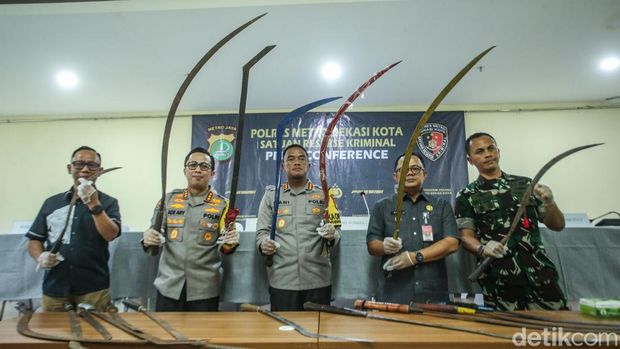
[[400, 261], [152, 237], [328, 231], [48, 260], [230, 237], [494, 249], [544, 194], [391, 246], [85, 190], [268, 246]]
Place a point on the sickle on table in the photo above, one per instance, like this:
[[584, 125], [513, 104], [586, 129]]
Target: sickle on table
[[162, 323], [523, 205], [233, 211], [331, 214], [153, 250], [418, 131], [300, 329], [279, 134]]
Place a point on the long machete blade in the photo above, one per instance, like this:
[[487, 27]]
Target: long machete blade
[[418, 131], [300, 329], [334, 122], [153, 250], [162, 323]]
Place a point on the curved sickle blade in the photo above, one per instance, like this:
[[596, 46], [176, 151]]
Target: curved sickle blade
[[523, 205], [175, 105], [418, 130], [332, 125], [279, 133]]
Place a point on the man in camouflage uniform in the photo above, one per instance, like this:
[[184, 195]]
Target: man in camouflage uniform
[[521, 276], [300, 272], [188, 278]]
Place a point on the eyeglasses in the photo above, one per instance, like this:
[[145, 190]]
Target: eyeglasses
[[413, 169], [92, 165], [204, 166]]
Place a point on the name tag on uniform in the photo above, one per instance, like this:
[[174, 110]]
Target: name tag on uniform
[[427, 232]]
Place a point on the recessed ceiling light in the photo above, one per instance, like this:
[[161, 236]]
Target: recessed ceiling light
[[66, 79], [331, 71], [611, 63]]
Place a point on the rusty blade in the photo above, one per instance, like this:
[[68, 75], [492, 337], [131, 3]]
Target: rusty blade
[[418, 131]]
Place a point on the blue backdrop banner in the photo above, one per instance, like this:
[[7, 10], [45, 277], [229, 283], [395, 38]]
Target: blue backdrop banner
[[360, 156]]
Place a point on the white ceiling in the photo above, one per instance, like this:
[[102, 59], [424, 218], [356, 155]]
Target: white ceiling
[[131, 56]]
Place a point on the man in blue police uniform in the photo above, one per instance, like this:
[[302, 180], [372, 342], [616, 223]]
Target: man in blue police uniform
[[79, 272], [414, 264]]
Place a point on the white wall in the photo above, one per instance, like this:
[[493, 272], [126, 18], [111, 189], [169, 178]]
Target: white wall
[[584, 182], [34, 158]]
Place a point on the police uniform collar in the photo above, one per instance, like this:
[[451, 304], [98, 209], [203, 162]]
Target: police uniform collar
[[210, 194], [309, 186]]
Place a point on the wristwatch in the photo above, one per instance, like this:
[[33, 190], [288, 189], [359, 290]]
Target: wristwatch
[[419, 257], [97, 210]]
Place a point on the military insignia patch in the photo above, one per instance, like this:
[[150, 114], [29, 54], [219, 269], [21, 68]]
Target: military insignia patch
[[433, 141]]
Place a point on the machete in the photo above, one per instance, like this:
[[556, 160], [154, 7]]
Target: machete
[[418, 130], [365, 314], [154, 250], [254, 308], [233, 211], [84, 310], [523, 205], [163, 324], [76, 329], [331, 213], [469, 314]]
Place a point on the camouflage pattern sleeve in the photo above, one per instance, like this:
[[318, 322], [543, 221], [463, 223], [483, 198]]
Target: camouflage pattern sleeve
[[464, 212]]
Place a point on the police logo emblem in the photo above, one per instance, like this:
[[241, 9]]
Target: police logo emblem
[[433, 141], [221, 146]]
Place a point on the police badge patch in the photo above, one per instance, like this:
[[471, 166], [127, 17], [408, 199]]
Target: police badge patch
[[433, 141]]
